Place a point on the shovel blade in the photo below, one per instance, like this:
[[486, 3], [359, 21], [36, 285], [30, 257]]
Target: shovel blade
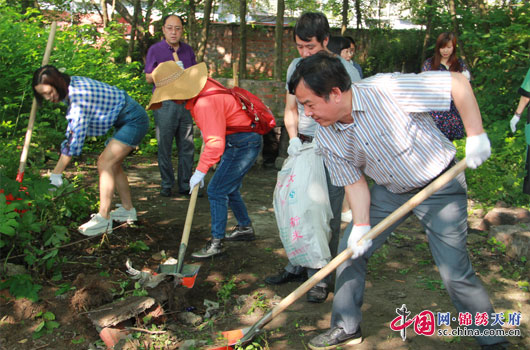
[[187, 276]]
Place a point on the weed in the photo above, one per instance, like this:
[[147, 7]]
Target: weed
[[138, 246], [421, 247], [431, 284], [524, 285], [47, 324], [63, 288], [226, 290], [496, 245], [260, 302], [404, 271]]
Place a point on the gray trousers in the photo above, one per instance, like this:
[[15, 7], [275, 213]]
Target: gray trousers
[[444, 217], [336, 195], [173, 121]]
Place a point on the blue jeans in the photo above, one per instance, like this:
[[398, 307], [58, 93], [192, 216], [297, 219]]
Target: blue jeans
[[173, 121], [132, 123], [241, 151]]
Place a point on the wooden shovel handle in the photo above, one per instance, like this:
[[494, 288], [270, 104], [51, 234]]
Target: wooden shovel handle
[[187, 228], [434, 186], [187, 224], [33, 113]]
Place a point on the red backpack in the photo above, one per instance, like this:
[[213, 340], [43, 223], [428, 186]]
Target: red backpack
[[260, 115]]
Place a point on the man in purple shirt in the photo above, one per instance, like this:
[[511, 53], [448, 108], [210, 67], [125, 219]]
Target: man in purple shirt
[[172, 120]]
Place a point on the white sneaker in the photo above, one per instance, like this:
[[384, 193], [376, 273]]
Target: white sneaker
[[123, 215], [98, 225], [346, 216]]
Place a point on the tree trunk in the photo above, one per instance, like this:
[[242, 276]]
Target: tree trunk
[[428, 29], [192, 34], [203, 39], [278, 41], [104, 13], [242, 39], [456, 30], [134, 25], [358, 13], [345, 9]]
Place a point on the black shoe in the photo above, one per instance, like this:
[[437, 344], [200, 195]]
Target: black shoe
[[317, 294], [335, 337], [284, 277], [165, 192], [496, 346], [213, 247], [241, 233]]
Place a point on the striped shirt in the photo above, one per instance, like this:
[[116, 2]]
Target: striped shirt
[[392, 139], [93, 107]]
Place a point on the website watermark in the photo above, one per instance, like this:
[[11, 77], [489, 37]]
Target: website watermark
[[481, 324]]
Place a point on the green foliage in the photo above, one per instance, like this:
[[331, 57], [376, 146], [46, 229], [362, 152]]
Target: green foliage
[[227, 289], [47, 324], [22, 286]]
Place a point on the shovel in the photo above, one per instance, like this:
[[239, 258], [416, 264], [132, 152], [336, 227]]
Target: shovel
[[33, 113], [185, 273], [243, 336], [31, 122]]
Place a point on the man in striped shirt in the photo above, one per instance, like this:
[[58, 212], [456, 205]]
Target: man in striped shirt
[[380, 127]]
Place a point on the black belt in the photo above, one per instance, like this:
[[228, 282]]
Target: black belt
[[449, 166], [305, 138]]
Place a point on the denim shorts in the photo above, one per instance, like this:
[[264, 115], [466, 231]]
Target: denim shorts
[[132, 123]]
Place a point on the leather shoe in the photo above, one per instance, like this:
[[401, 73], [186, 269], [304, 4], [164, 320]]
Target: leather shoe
[[335, 337], [317, 294], [284, 277]]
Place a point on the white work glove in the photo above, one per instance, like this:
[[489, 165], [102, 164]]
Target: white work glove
[[294, 147], [355, 235], [478, 149], [196, 179], [514, 121], [56, 180]]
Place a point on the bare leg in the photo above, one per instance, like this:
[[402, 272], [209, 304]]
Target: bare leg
[[111, 176], [122, 187]]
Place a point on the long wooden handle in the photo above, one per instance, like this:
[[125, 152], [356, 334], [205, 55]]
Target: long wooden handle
[[187, 228], [434, 186], [33, 113]]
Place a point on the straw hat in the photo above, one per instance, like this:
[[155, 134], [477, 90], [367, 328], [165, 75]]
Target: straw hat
[[175, 83]]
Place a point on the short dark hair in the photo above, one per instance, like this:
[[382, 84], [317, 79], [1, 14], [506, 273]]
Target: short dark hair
[[50, 75], [165, 18], [338, 43], [321, 72], [351, 40], [312, 24]]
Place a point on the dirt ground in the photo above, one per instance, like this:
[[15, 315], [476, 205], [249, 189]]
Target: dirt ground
[[402, 272]]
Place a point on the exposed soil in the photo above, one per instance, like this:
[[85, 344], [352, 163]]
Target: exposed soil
[[402, 272]]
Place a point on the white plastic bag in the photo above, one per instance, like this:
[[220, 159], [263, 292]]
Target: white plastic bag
[[302, 208]]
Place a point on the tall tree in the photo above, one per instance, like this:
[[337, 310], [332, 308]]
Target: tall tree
[[134, 26], [104, 13], [243, 39], [345, 10], [203, 39], [278, 40], [430, 11], [358, 13], [192, 33]]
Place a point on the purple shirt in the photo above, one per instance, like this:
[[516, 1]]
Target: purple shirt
[[162, 52]]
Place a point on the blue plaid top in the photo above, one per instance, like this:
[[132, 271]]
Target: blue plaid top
[[93, 107]]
